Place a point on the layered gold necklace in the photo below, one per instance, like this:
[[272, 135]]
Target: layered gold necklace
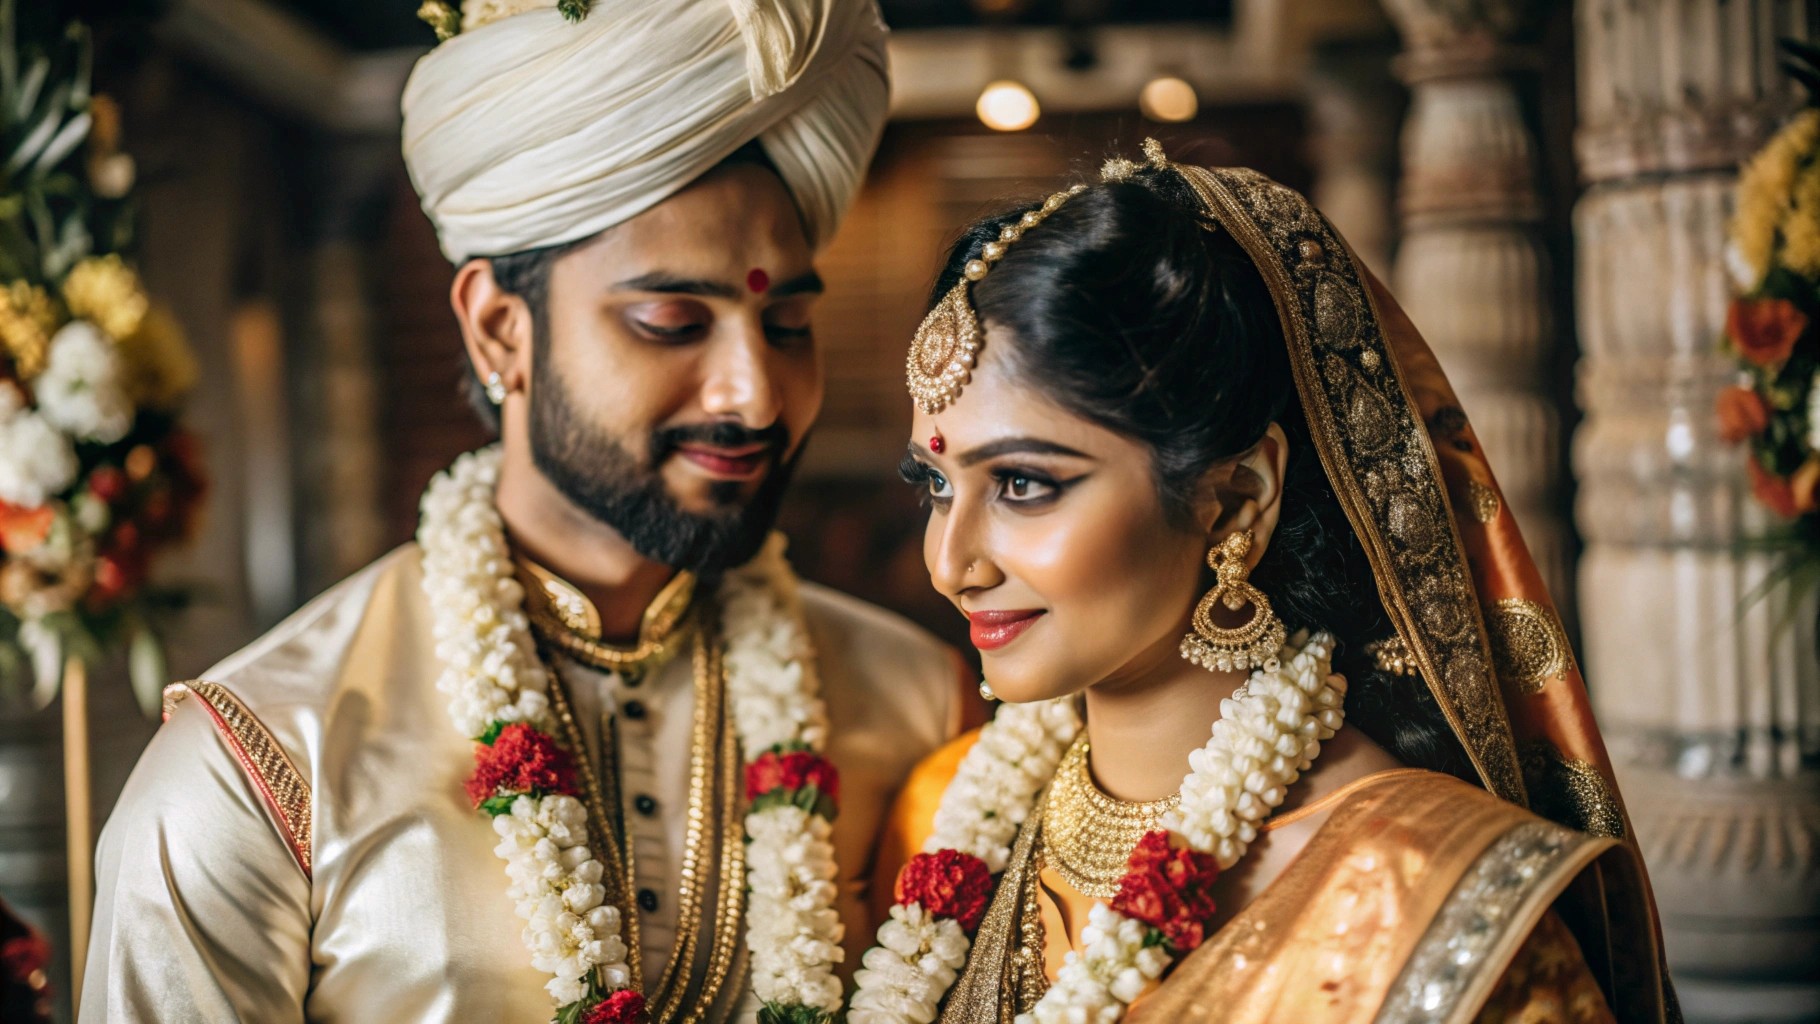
[[1087, 835], [715, 812]]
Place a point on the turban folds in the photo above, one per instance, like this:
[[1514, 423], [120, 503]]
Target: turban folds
[[530, 130]]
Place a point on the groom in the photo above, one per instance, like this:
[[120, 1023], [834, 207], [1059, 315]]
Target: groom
[[633, 201]]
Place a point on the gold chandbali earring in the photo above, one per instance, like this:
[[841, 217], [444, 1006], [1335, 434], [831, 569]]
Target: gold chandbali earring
[[1252, 645]]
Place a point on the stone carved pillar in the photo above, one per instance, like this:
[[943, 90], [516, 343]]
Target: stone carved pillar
[[1705, 679], [1355, 105], [1472, 269]]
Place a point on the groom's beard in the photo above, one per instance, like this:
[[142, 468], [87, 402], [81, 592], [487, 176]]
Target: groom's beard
[[593, 469]]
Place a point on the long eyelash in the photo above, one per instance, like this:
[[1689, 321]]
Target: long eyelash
[[912, 471]]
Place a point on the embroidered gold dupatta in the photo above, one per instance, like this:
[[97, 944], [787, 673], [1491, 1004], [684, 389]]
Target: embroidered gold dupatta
[[1410, 902]]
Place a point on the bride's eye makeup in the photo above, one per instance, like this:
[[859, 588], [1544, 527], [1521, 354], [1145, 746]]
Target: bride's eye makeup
[[1030, 488], [931, 486]]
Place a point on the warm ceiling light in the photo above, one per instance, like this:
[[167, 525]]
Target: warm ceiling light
[[1007, 106], [1168, 98]]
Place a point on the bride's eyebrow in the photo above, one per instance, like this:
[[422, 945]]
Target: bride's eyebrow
[[1016, 446]]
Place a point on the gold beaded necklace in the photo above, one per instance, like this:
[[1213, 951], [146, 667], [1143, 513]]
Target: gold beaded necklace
[[1088, 836]]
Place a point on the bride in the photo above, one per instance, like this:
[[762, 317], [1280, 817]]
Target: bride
[[1292, 731]]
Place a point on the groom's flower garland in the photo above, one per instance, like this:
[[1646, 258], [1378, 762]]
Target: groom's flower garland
[[498, 694], [1266, 736]]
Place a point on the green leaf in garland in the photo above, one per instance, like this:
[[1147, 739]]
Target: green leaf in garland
[[778, 1013], [492, 733], [498, 805]]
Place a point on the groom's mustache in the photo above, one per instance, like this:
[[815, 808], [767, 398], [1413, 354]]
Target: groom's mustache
[[666, 440]]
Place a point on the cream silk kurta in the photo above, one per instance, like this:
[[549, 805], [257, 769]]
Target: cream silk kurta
[[206, 913]]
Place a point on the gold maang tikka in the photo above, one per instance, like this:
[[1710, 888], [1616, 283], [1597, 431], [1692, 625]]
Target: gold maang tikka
[[947, 345]]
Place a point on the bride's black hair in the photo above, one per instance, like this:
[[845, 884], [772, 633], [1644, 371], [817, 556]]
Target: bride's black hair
[[1128, 309]]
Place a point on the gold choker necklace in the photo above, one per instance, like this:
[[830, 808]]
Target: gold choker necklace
[[1088, 836]]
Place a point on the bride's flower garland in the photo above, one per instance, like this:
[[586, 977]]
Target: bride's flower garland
[[498, 695], [1266, 736]]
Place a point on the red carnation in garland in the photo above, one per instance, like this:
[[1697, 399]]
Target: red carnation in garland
[[520, 760], [947, 883], [623, 1007], [793, 771], [1170, 890]]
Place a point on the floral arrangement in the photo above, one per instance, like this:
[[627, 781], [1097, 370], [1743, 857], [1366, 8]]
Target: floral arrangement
[[527, 782], [97, 475], [1268, 733], [1773, 325]]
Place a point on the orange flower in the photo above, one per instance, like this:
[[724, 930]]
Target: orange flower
[[1804, 486], [1791, 496], [1764, 330], [1742, 414], [22, 529]]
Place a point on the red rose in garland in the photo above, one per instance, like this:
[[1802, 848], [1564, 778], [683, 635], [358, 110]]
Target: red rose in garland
[[1170, 890], [520, 760], [623, 1007], [947, 883]]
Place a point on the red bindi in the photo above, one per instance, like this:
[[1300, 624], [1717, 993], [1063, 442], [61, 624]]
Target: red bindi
[[936, 444], [758, 281]]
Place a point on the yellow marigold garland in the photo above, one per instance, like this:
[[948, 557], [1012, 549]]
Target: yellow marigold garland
[[106, 292], [27, 318]]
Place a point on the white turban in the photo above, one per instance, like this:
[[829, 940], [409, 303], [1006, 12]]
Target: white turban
[[531, 130]]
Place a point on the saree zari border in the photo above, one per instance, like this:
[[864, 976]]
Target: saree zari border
[[1484, 921], [1376, 451], [280, 784]]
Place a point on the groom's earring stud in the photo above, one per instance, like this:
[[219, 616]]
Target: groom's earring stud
[[496, 389]]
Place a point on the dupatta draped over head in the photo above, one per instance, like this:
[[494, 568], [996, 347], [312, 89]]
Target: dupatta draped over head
[[1467, 600]]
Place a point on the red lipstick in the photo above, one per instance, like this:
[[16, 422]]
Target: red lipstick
[[990, 630]]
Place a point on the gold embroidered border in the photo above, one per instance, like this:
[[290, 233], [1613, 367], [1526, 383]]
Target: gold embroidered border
[[279, 782], [1376, 451], [1485, 920]]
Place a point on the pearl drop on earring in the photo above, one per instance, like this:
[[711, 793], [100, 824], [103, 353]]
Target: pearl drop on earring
[[986, 691], [496, 389]]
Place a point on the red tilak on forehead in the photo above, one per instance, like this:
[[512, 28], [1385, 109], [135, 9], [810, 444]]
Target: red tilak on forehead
[[758, 281]]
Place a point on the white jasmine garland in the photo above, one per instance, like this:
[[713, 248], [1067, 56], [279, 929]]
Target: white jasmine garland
[[795, 932], [1266, 736], [492, 675]]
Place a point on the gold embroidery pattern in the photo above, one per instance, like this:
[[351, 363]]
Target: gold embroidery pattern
[[286, 793], [1571, 791], [1456, 951], [995, 986], [1376, 451], [1528, 644], [1484, 501]]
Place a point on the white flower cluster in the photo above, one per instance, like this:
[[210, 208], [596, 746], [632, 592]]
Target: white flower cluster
[[1261, 744], [1112, 969], [491, 674], [770, 665], [556, 883], [1263, 740], [82, 390], [795, 931], [37, 460], [997, 782], [489, 668], [903, 978]]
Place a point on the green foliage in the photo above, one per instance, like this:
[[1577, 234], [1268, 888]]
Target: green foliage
[[49, 216], [498, 805], [809, 798], [777, 1013]]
